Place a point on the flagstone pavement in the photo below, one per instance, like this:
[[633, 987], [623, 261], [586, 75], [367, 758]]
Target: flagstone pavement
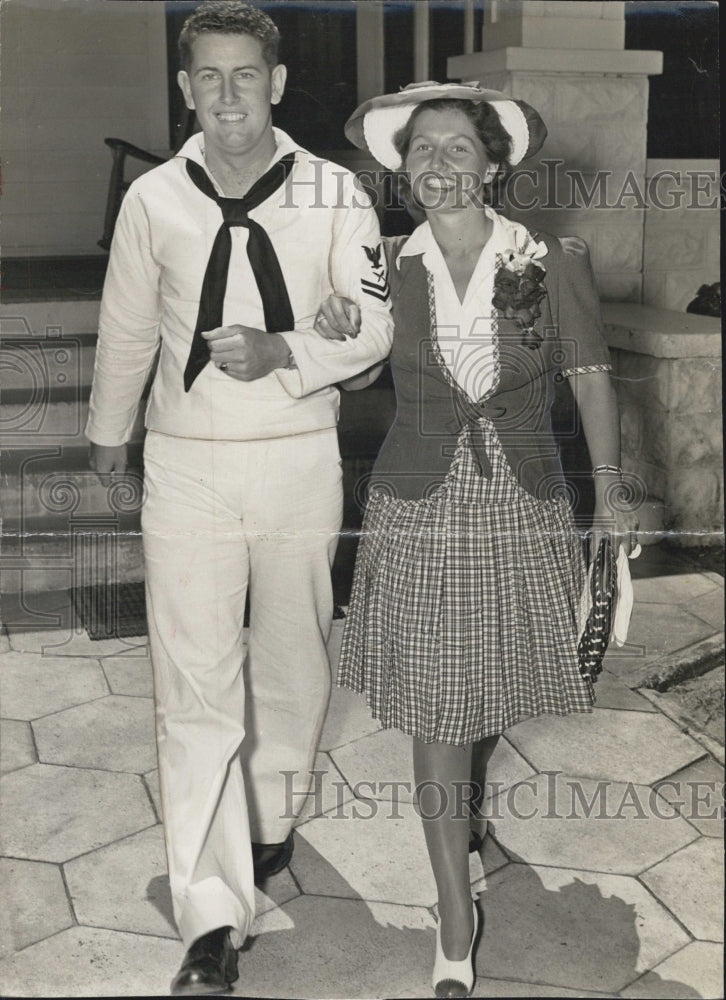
[[601, 874]]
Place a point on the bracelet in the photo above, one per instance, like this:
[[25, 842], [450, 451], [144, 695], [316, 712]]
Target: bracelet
[[614, 470]]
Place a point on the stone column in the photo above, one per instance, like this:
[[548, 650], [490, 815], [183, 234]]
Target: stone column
[[568, 60], [468, 26], [369, 49], [421, 33]]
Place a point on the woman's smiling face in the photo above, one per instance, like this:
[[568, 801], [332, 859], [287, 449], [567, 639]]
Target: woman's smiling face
[[446, 161]]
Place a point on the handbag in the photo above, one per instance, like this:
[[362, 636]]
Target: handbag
[[595, 637]]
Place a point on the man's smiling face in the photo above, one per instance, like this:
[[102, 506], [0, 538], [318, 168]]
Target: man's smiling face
[[231, 88]]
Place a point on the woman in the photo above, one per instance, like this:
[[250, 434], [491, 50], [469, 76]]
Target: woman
[[463, 613]]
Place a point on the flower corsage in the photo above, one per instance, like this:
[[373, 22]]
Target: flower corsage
[[519, 287]]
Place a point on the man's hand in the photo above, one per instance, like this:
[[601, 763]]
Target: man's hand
[[105, 459], [338, 318], [245, 353]]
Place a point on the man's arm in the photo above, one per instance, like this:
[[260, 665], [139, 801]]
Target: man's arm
[[337, 319], [128, 336], [363, 380], [358, 271]]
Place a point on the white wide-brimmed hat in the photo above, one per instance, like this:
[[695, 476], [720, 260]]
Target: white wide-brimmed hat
[[373, 125]]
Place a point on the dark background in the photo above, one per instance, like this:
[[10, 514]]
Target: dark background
[[319, 43], [683, 108]]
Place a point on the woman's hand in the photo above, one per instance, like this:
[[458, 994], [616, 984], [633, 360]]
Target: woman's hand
[[615, 510], [338, 318], [615, 516]]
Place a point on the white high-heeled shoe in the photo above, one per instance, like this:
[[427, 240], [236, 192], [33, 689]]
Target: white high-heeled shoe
[[454, 979]]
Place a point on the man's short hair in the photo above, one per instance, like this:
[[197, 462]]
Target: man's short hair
[[229, 17]]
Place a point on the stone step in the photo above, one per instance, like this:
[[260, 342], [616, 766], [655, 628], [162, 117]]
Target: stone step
[[46, 379], [46, 423], [37, 483], [54, 278], [49, 320], [61, 526], [52, 368], [64, 519], [59, 562], [46, 364]]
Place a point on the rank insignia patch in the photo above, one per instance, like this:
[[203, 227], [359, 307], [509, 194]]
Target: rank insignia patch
[[377, 286]]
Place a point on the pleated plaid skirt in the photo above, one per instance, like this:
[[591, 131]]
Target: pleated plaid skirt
[[463, 612]]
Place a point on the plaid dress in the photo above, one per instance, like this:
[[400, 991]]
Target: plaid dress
[[463, 616], [463, 613]]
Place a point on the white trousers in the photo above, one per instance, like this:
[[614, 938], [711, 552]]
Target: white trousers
[[219, 516]]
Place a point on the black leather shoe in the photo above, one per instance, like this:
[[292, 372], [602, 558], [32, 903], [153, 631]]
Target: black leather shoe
[[269, 859], [209, 966]]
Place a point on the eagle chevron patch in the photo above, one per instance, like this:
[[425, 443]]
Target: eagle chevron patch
[[377, 285]]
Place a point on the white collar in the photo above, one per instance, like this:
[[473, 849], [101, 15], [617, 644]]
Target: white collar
[[193, 148], [506, 235]]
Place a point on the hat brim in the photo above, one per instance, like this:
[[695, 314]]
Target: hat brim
[[374, 124]]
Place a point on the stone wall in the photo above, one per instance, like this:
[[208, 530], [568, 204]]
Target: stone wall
[[682, 231], [72, 74], [594, 154], [667, 368], [568, 60]]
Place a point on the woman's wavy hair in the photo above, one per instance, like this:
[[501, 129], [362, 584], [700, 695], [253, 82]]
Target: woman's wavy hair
[[487, 125]]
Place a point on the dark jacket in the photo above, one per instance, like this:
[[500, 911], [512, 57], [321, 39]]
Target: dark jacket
[[430, 413]]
